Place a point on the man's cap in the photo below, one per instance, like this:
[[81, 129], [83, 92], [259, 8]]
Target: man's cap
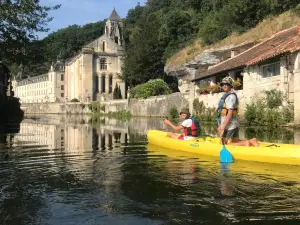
[[185, 110], [227, 80]]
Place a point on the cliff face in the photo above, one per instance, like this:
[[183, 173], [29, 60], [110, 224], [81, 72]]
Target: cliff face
[[201, 62], [196, 58]]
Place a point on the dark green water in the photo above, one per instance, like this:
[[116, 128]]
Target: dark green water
[[65, 171]]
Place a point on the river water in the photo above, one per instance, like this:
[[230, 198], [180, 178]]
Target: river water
[[62, 170]]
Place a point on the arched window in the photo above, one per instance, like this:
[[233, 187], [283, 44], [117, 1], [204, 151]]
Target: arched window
[[103, 83], [103, 64], [103, 46], [110, 83], [96, 79]]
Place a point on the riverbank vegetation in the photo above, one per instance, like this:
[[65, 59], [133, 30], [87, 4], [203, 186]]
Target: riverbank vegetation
[[269, 110], [98, 111], [151, 88]]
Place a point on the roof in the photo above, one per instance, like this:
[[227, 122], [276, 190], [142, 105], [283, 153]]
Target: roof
[[114, 16], [285, 41]]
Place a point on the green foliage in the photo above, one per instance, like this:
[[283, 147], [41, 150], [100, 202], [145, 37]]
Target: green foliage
[[122, 115], [65, 42], [152, 33], [274, 98], [95, 106], [268, 134], [151, 88], [269, 110], [74, 100], [288, 114], [174, 112], [203, 113], [19, 22], [117, 92]]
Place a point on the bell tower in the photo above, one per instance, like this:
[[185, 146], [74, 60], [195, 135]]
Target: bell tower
[[114, 28]]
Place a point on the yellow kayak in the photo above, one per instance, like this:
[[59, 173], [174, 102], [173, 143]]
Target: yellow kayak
[[267, 152]]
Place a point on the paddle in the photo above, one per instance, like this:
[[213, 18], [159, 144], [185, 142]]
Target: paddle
[[225, 155]]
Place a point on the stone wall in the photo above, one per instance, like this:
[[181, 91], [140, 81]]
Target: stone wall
[[56, 108], [115, 105], [157, 106]]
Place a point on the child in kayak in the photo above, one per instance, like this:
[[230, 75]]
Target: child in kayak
[[190, 126]]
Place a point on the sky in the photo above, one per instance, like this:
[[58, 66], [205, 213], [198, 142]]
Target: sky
[[81, 12]]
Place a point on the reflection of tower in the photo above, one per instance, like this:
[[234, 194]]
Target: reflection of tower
[[114, 28]]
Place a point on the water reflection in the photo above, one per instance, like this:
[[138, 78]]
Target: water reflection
[[63, 170]]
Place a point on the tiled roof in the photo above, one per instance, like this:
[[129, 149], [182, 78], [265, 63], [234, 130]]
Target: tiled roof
[[114, 16], [282, 42]]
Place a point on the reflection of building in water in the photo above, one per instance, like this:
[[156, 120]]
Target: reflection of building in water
[[69, 136], [40, 133]]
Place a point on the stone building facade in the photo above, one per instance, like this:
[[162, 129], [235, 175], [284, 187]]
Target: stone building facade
[[272, 64], [49, 87], [94, 73]]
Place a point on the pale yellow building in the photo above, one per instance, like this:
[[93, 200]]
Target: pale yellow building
[[49, 87], [95, 71]]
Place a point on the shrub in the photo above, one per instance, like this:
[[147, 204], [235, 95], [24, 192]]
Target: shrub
[[117, 92], [95, 106], [74, 100], [274, 98], [202, 113], [151, 88], [174, 112], [288, 114], [268, 111]]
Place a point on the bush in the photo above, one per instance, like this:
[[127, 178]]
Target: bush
[[204, 114], [117, 92], [151, 88], [74, 100], [274, 98], [269, 111], [288, 114], [95, 106], [174, 112]]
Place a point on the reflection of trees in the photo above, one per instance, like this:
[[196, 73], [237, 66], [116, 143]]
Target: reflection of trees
[[281, 135]]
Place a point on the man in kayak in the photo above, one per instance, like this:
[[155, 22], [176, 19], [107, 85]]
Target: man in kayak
[[190, 126], [228, 109]]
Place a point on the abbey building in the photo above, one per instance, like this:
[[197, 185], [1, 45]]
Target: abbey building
[[91, 75], [94, 73]]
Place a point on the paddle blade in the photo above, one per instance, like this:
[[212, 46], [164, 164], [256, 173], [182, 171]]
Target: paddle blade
[[225, 156]]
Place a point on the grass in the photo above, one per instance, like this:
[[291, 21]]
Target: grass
[[263, 30]]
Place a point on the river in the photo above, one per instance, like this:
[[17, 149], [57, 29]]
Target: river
[[63, 170]]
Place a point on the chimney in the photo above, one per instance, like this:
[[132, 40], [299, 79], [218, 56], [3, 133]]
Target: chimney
[[233, 53]]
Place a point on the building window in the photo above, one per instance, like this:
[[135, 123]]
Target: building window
[[103, 46], [62, 95], [62, 77], [103, 64], [271, 70], [102, 83], [62, 87], [110, 84]]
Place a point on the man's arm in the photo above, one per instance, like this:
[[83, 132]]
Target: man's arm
[[177, 128]]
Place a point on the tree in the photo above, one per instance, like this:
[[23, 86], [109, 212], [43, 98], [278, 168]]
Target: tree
[[117, 92], [19, 21]]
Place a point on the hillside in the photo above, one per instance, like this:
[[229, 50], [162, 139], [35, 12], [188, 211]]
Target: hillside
[[264, 29]]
